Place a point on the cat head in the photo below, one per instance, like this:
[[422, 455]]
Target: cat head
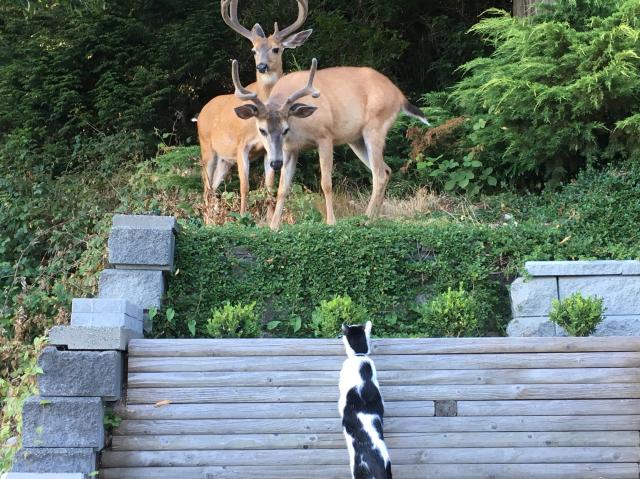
[[357, 339]]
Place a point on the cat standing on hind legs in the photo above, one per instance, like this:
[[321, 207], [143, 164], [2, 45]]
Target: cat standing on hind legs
[[361, 407]]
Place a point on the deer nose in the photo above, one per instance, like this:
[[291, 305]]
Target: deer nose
[[276, 165], [262, 67]]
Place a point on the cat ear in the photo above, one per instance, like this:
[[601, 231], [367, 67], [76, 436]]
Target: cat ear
[[345, 328], [367, 328]]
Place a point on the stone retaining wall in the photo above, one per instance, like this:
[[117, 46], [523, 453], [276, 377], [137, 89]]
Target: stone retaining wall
[[617, 282], [63, 428]]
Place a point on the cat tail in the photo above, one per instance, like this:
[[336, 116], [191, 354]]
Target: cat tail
[[388, 470]]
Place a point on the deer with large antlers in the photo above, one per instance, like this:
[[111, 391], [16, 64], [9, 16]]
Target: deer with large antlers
[[357, 107], [224, 139]]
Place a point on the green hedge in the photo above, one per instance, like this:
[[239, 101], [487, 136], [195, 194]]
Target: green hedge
[[389, 268]]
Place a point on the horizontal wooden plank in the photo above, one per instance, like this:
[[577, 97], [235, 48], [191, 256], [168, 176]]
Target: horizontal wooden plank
[[391, 425], [386, 377], [264, 411], [580, 407], [389, 362], [393, 440], [390, 393], [328, 457], [439, 471], [323, 347]]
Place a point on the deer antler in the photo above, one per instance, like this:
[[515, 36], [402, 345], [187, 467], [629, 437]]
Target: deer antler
[[241, 92], [308, 89], [303, 12], [229, 10]]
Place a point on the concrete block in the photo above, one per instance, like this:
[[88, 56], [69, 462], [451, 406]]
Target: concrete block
[[92, 339], [106, 306], [621, 294], [532, 327], [57, 459], [619, 326], [106, 320], [533, 297], [145, 222], [583, 268], [144, 288], [63, 422], [43, 475], [141, 248], [80, 373]]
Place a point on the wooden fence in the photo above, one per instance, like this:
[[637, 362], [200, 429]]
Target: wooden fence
[[455, 409]]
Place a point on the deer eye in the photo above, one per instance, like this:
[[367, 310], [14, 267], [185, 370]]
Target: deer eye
[[276, 50], [263, 132], [253, 51], [285, 131]]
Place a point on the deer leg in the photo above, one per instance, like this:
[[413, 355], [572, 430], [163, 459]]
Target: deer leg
[[325, 151], [360, 149], [221, 170], [269, 180], [379, 170], [243, 175], [286, 178]]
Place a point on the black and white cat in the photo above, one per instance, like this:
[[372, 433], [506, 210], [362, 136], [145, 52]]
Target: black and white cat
[[361, 407]]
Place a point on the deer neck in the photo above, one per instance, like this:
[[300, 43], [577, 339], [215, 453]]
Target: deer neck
[[266, 82]]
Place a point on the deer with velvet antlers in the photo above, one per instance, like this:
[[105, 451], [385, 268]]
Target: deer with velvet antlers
[[224, 139], [357, 107]]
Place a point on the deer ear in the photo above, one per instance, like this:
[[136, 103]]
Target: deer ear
[[297, 39], [301, 110], [246, 111], [258, 31]]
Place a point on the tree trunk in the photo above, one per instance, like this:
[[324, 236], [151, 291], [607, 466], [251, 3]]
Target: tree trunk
[[525, 8]]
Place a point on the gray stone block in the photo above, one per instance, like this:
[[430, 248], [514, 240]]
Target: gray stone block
[[80, 373], [106, 320], [44, 459], [144, 288], [145, 222], [619, 326], [106, 305], [43, 475], [141, 248], [92, 339], [582, 268], [533, 297], [621, 294], [532, 327], [63, 422]]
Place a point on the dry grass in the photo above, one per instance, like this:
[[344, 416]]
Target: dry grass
[[423, 202]]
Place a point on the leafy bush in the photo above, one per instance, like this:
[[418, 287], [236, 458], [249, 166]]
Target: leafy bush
[[578, 315], [330, 315], [559, 92], [18, 372], [453, 313], [234, 321]]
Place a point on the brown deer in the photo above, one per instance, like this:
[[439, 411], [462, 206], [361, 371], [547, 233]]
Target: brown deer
[[357, 107], [225, 139]]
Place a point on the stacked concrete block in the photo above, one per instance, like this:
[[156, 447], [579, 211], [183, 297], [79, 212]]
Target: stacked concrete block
[[141, 252], [43, 475], [82, 461], [57, 422], [63, 429], [617, 282], [100, 324], [81, 374]]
